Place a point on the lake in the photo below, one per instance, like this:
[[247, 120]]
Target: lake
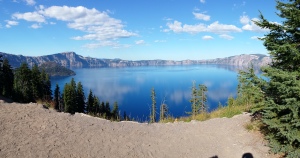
[[131, 86]]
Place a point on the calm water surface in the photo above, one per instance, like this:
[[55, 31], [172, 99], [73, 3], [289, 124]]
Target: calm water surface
[[131, 86]]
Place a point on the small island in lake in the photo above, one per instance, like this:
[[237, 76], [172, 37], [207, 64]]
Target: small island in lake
[[54, 69]]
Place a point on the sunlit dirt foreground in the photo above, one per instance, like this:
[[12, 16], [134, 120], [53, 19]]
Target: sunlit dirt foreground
[[29, 130]]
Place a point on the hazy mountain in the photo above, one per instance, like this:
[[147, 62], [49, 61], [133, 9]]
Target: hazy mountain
[[73, 60]]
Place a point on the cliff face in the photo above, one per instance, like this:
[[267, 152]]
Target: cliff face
[[73, 60]]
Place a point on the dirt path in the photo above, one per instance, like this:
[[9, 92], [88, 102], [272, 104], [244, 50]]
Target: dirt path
[[29, 130]]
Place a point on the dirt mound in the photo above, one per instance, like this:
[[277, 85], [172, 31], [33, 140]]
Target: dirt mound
[[29, 130]]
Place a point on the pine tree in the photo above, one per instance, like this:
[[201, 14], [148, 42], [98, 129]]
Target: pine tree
[[102, 108], [125, 116], [69, 97], [7, 79], [1, 74], [37, 83], [202, 98], [249, 90], [281, 112], [22, 84], [46, 86], [96, 106], [115, 112], [153, 107], [57, 98], [194, 101], [107, 110], [90, 102], [163, 111], [80, 98]]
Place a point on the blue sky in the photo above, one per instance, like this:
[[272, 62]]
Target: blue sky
[[134, 29]]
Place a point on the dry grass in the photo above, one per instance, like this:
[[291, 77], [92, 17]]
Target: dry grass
[[227, 111]]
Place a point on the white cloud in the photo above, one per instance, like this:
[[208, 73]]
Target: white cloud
[[10, 23], [178, 28], [29, 16], [207, 37], [202, 1], [98, 25], [222, 28], [30, 2], [244, 19], [36, 26], [160, 41], [225, 36], [215, 27], [140, 42], [201, 16], [95, 24], [249, 25]]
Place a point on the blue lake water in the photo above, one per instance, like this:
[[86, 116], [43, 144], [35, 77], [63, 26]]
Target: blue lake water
[[131, 86]]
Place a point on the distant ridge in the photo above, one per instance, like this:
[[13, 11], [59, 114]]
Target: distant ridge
[[73, 60]]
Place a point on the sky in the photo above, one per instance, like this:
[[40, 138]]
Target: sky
[[134, 29]]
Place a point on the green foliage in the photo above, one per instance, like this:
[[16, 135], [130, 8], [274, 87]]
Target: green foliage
[[163, 112], [281, 112], [90, 102], [54, 69], [37, 84], [69, 97], [202, 98], [6, 79], [57, 98], [194, 101], [80, 98], [198, 100], [1, 74], [46, 86], [153, 107], [22, 84], [250, 90], [115, 112], [281, 107]]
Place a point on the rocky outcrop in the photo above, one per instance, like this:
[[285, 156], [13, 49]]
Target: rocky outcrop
[[73, 60]]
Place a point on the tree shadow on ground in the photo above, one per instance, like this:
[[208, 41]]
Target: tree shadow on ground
[[245, 155]]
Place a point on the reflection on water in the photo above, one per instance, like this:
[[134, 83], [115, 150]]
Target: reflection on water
[[131, 87]]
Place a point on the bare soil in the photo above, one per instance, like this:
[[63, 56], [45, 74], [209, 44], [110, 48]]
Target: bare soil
[[29, 130]]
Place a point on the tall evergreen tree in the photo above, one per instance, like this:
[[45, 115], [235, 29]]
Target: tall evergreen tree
[[202, 98], [37, 83], [163, 111], [281, 113], [96, 106], [57, 98], [69, 97], [153, 106], [7, 79], [1, 74], [107, 110], [194, 100], [102, 108], [46, 86], [115, 112], [90, 102], [80, 98], [249, 89], [22, 84]]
